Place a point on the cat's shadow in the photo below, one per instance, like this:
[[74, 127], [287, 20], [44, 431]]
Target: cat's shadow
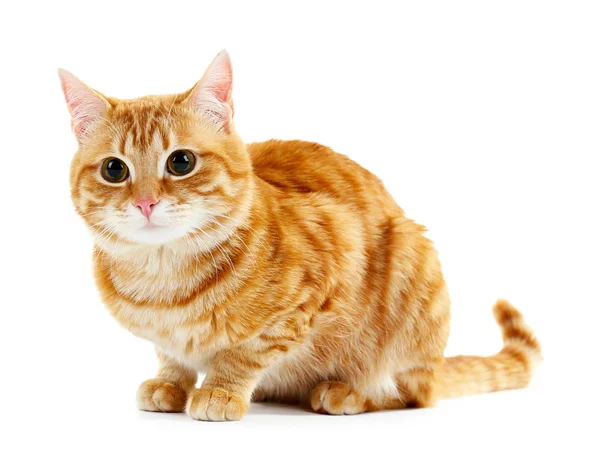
[[256, 408], [274, 408]]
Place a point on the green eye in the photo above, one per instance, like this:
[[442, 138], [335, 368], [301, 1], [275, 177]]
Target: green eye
[[114, 170], [181, 162]]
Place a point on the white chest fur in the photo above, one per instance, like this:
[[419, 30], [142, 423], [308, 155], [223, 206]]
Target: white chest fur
[[153, 290], [192, 346]]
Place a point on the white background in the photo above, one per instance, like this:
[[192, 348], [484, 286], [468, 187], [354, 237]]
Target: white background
[[482, 118]]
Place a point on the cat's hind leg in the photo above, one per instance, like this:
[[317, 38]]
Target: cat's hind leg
[[337, 398], [413, 389]]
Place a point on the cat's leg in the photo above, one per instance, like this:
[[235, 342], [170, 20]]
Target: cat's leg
[[169, 390], [337, 398], [228, 386], [413, 388]]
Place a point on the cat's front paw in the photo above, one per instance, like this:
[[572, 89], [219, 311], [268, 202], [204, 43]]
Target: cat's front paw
[[215, 404], [157, 395]]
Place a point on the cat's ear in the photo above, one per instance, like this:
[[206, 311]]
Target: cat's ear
[[211, 96], [87, 107]]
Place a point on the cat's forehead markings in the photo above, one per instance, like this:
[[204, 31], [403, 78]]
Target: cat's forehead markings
[[127, 145], [118, 145], [144, 128]]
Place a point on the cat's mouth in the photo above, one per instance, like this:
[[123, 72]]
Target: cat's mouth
[[152, 226], [152, 232]]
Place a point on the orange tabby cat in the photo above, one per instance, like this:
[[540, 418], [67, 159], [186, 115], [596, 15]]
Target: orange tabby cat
[[282, 269]]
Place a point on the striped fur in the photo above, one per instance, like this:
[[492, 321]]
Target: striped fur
[[287, 271]]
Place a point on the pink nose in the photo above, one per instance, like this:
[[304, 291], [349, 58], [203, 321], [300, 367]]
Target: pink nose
[[146, 206]]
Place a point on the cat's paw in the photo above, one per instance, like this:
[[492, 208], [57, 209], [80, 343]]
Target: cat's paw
[[215, 404], [336, 398], [156, 395]]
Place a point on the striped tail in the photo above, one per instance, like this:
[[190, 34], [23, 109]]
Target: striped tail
[[510, 368]]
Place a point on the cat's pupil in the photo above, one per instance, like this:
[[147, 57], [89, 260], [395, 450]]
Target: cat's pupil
[[181, 162], [114, 168]]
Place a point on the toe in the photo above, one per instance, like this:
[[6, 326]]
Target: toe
[[169, 398], [236, 409], [156, 395], [333, 400], [215, 404], [198, 403], [336, 398]]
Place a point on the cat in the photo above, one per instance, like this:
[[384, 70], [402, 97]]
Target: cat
[[282, 269]]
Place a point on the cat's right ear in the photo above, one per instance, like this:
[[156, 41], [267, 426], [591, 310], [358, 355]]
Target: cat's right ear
[[211, 96], [87, 107]]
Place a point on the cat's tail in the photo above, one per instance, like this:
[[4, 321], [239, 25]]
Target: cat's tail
[[510, 368]]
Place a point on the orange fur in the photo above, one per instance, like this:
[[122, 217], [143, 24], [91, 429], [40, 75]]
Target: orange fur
[[300, 280]]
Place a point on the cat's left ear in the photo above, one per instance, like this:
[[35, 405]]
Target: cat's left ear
[[211, 96], [87, 106]]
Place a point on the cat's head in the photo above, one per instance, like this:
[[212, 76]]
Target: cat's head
[[159, 169]]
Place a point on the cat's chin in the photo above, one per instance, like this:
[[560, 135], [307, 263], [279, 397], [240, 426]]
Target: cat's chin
[[155, 235]]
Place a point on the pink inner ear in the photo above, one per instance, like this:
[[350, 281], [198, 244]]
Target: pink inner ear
[[223, 92], [212, 94], [86, 106], [78, 121], [224, 82]]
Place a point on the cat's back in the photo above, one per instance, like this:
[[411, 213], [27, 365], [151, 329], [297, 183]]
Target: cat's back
[[297, 168]]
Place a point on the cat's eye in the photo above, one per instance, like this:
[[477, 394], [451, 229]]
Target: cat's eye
[[114, 170], [181, 162]]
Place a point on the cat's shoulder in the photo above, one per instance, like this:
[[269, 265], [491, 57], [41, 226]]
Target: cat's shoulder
[[297, 156], [277, 150], [308, 167]]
